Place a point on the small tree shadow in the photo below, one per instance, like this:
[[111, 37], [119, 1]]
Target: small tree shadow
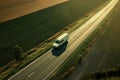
[[60, 50]]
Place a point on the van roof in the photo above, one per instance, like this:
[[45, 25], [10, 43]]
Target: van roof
[[62, 36]]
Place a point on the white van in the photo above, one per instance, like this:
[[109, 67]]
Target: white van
[[60, 40]]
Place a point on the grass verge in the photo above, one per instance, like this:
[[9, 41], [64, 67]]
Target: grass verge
[[15, 66], [71, 63], [110, 74]]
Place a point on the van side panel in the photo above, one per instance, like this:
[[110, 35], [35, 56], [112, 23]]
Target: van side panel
[[63, 38]]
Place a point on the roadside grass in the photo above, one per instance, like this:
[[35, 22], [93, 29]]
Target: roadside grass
[[15, 66], [71, 63], [74, 25], [28, 31], [32, 54], [115, 78], [110, 74]]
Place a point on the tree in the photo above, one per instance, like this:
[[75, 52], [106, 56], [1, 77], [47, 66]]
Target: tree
[[18, 51]]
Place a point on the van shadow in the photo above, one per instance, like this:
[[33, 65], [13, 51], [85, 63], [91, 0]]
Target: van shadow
[[60, 50]]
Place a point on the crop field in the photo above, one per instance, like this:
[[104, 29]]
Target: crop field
[[107, 48], [30, 30], [15, 8], [109, 43]]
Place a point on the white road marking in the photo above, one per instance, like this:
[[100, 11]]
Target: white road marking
[[88, 23], [31, 74]]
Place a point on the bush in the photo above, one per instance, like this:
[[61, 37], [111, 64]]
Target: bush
[[18, 51]]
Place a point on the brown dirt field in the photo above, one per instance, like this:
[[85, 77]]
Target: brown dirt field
[[11, 9]]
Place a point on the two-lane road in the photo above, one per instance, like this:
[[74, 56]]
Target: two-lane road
[[43, 67]]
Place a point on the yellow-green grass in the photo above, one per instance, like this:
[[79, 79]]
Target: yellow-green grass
[[15, 66], [111, 58], [40, 49], [71, 63], [30, 30]]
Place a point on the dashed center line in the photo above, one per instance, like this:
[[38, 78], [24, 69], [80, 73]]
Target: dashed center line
[[31, 74]]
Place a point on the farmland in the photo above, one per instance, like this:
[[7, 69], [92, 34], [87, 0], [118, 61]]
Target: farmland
[[104, 54], [108, 44], [28, 31], [15, 8]]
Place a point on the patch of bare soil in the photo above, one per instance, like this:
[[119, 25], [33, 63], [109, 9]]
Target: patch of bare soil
[[11, 9]]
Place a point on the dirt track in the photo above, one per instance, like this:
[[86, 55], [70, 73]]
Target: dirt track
[[10, 9]]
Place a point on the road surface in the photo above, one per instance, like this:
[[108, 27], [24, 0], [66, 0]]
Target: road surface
[[103, 55], [43, 67]]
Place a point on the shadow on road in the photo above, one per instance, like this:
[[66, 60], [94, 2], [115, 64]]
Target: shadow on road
[[60, 50]]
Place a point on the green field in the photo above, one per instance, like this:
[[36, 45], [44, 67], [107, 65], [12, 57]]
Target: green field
[[28, 31], [107, 47]]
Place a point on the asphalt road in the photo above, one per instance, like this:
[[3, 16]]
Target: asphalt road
[[43, 67], [104, 54]]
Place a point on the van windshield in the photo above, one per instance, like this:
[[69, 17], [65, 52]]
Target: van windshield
[[58, 42]]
